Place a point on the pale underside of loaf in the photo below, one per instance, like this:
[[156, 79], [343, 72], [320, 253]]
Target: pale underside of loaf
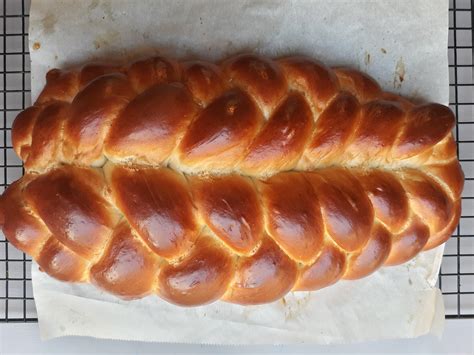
[[241, 180]]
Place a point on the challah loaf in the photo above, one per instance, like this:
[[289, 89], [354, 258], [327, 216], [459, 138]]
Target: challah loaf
[[238, 181]]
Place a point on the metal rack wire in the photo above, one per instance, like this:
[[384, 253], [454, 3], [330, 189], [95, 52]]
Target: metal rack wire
[[456, 279]]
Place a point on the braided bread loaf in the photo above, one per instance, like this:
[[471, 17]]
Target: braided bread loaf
[[239, 181]]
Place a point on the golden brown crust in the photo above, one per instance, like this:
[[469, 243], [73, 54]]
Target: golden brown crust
[[149, 72], [92, 111], [23, 229], [371, 256], [359, 84], [61, 262], [212, 118], [281, 142], [293, 215], [326, 270], [379, 125], [425, 126], [158, 206], [151, 123], [260, 77], [203, 80], [428, 199], [47, 136], [388, 198], [82, 222], [22, 131], [60, 86], [230, 207], [301, 230], [238, 181], [91, 71], [332, 129], [202, 277], [346, 208], [311, 77], [264, 277], [218, 137], [408, 243], [127, 268]]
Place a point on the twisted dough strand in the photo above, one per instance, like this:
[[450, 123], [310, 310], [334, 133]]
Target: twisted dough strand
[[251, 115], [142, 230], [239, 181]]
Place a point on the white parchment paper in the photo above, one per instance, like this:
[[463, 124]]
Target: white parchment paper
[[401, 43]]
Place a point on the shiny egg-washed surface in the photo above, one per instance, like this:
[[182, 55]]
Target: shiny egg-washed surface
[[239, 181]]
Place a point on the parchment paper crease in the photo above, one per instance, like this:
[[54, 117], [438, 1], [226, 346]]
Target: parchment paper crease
[[401, 43]]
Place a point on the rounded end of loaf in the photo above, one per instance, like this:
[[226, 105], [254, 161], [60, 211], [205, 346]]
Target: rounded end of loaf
[[60, 86], [425, 126], [22, 131]]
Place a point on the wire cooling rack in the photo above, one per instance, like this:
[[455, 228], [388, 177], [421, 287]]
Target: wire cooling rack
[[456, 279]]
